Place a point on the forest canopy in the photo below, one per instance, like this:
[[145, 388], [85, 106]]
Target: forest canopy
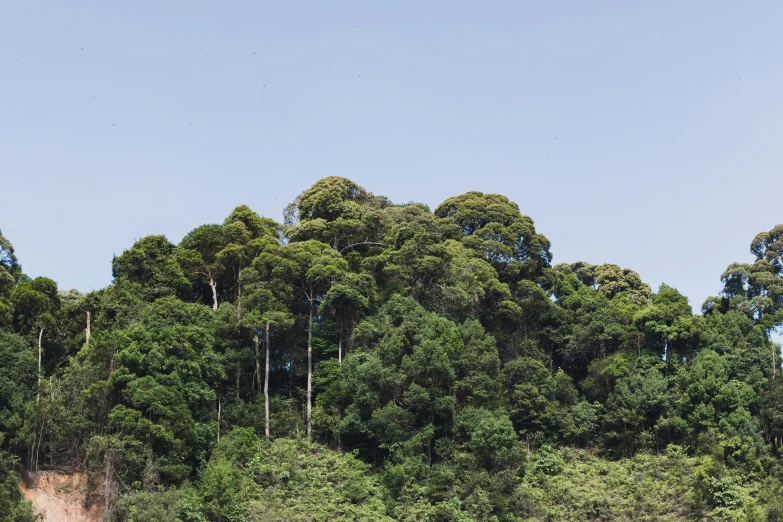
[[366, 360]]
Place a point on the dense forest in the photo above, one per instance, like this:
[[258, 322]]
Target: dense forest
[[366, 360]]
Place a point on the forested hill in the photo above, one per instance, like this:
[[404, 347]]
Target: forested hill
[[366, 360]]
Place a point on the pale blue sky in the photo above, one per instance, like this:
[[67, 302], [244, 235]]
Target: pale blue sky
[[647, 134]]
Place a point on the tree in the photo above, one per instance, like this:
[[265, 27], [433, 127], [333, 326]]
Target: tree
[[247, 234], [318, 266], [151, 268], [17, 380], [10, 274], [10, 265], [268, 289], [634, 408], [199, 253], [336, 211], [757, 288], [162, 381], [612, 281], [347, 300], [13, 508], [494, 227], [36, 302], [667, 324]]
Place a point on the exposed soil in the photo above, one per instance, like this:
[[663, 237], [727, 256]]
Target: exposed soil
[[61, 497]]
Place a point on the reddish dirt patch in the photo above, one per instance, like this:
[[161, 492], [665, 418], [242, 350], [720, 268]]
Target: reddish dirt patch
[[60, 497]]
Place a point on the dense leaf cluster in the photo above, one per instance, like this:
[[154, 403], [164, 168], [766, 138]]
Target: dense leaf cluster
[[366, 360]]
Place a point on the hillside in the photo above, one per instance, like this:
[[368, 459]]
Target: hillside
[[365, 360]]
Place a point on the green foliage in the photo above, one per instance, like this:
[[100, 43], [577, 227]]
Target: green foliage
[[152, 269], [17, 382], [438, 366], [302, 481], [12, 507]]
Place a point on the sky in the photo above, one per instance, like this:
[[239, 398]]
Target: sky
[[645, 134]]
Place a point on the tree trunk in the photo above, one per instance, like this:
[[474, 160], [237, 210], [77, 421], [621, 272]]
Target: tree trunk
[[258, 363], [40, 337], [266, 387], [213, 285], [340, 346], [310, 372], [88, 328], [218, 426]]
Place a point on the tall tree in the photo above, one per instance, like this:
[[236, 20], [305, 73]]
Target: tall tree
[[247, 234], [611, 280], [268, 287], [494, 226], [151, 266], [347, 300], [10, 274], [667, 324], [8, 260], [338, 212], [757, 288], [36, 302], [199, 251], [318, 266]]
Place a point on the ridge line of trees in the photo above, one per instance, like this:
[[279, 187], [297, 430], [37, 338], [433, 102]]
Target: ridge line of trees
[[438, 359]]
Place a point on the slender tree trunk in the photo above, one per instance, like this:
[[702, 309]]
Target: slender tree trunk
[[40, 350], [340, 346], [88, 328], [107, 481], [258, 363], [218, 426], [266, 387], [38, 446], [236, 283], [310, 372], [213, 285]]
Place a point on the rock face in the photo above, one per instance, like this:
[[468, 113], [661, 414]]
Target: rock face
[[61, 497]]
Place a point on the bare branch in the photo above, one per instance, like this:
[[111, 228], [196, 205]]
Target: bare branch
[[373, 243]]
